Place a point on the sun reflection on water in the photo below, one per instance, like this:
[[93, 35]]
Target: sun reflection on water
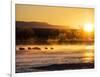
[[88, 57]]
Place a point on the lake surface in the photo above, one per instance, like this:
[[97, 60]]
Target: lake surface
[[52, 54]]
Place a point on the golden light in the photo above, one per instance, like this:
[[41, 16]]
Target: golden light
[[88, 57], [88, 27]]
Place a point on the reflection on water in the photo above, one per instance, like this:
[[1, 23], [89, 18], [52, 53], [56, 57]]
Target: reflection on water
[[89, 46], [61, 54], [89, 54]]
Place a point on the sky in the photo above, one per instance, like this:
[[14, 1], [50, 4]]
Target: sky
[[62, 16]]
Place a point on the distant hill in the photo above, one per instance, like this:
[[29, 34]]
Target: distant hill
[[35, 24]]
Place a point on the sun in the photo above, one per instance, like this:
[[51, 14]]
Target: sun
[[88, 28]]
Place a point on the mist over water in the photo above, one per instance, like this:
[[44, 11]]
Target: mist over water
[[61, 54]]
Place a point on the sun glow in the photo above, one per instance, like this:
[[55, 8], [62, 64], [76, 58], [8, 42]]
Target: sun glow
[[88, 27]]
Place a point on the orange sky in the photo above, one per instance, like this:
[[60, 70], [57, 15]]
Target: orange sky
[[65, 16]]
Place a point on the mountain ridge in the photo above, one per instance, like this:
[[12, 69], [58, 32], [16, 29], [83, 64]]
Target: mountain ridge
[[36, 24]]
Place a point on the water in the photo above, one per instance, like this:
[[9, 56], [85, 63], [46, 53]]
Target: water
[[60, 54]]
